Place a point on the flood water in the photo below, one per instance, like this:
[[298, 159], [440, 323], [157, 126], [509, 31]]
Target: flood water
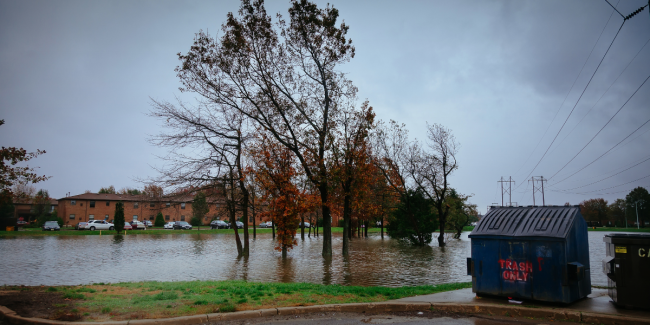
[[72, 260]]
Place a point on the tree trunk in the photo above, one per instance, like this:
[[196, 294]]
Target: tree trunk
[[254, 217], [284, 251], [327, 219], [273, 227], [365, 230], [382, 226], [441, 238], [302, 227], [311, 225], [347, 213]]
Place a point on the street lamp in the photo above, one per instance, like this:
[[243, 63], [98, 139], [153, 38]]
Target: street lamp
[[636, 204]]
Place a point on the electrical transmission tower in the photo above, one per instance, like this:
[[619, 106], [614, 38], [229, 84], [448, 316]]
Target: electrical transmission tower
[[506, 189], [541, 180]]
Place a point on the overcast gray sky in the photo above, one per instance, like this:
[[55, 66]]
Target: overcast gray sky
[[76, 78]]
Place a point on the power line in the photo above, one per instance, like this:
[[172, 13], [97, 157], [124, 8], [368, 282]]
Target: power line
[[578, 101], [606, 152], [568, 93], [607, 188], [601, 96], [608, 176], [601, 129], [615, 9]]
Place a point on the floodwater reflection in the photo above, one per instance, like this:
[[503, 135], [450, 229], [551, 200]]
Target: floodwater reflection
[[181, 256]]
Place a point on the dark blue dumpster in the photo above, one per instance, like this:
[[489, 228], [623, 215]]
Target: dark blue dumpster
[[531, 253]]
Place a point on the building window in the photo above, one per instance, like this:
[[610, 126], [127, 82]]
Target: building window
[[168, 204], [135, 205], [106, 217], [135, 218], [150, 217], [182, 218], [218, 218], [91, 217], [183, 205], [108, 203], [52, 209], [152, 205], [92, 204], [251, 219], [167, 217], [72, 217], [73, 202]]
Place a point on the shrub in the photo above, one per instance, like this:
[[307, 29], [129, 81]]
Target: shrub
[[160, 220]]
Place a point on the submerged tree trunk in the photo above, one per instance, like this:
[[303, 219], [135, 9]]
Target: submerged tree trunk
[[347, 215], [302, 227], [327, 219]]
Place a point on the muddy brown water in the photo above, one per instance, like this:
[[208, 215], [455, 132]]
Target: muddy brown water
[[73, 260]]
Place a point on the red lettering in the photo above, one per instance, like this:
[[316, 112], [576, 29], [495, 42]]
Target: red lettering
[[514, 266], [529, 266], [525, 276], [505, 275], [501, 261], [519, 276], [509, 264], [513, 276], [522, 266], [539, 262]]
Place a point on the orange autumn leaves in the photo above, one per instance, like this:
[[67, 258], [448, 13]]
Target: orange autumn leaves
[[287, 200]]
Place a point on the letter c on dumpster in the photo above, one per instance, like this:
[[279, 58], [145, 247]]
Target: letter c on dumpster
[[641, 250]]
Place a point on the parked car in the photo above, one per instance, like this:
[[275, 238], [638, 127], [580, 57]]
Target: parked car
[[21, 223], [267, 224], [81, 225], [51, 226], [307, 225], [138, 225], [240, 225], [127, 226], [182, 225], [148, 223], [99, 225], [169, 225], [219, 224]]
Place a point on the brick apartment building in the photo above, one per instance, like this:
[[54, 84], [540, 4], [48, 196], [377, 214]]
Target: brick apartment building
[[24, 208], [95, 206]]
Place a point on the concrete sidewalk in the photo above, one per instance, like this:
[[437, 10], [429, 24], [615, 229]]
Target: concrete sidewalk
[[597, 302]]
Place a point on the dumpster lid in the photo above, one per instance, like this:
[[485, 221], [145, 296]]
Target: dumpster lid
[[618, 235], [531, 221]]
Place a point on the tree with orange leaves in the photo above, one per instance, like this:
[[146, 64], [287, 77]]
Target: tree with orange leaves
[[351, 157], [277, 175]]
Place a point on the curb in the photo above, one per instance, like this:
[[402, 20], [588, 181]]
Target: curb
[[467, 309]]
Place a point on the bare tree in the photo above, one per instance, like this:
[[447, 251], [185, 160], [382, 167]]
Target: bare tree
[[206, 144], [283, 79], [431, 169]]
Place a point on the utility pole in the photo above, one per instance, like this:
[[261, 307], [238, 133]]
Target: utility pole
[[636, 204], [506, 190], [539, 189]]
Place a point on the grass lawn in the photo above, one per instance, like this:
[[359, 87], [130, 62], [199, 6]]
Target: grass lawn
[[140, 300]]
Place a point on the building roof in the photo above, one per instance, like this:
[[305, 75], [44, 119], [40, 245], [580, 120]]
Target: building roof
[[29, 201], [134, 198]]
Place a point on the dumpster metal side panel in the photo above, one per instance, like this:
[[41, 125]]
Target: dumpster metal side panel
[[547, 258], [485, 277], [515, 268]]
